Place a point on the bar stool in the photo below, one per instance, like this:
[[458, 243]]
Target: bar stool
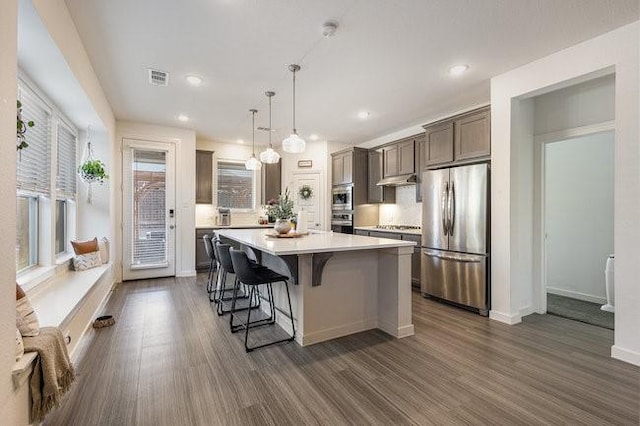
[[208, 248], [253, 277], [226, 267]]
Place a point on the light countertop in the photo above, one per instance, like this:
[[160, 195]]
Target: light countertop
[[393, 231], [316, 242], [256, 226]]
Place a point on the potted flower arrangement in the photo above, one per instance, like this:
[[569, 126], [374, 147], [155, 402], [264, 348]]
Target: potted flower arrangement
[[282, 211]]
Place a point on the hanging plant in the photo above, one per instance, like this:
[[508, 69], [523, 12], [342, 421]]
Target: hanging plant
[[305, 192], [93, 171], [21, 129]]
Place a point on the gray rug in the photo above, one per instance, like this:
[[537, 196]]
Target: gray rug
[[579, 310]]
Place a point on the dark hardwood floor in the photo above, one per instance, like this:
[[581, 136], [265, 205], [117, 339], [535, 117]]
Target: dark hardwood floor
[[170, 360]]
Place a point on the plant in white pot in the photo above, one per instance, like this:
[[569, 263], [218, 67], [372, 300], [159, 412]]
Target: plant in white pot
[[283, 212], [91, 170]]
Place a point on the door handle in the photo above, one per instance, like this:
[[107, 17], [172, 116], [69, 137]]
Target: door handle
[[171, 226], [444, 203], [452, 207]]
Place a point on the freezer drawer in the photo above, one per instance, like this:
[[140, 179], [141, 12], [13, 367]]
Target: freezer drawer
[[455, 277]]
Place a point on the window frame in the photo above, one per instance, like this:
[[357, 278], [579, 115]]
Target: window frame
[[254, 186], [34, 215]]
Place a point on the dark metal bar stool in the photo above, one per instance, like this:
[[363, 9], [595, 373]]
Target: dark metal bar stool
[[226, 267], [208, 247], [253, 277]]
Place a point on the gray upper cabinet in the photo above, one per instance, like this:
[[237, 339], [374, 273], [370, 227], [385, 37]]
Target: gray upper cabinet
[[439, 144], [472, 136], [375, 193], [342, 168], [421, 144], [459, 139], [398, 159], [204, 177], [271, 181]]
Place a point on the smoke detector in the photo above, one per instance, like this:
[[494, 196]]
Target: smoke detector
[[329, 29], [158, 78]]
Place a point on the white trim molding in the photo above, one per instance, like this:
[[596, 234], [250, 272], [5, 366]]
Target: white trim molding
[[510, 319], [625, 355]]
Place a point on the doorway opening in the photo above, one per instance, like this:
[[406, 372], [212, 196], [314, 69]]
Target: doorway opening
[[578, 227]]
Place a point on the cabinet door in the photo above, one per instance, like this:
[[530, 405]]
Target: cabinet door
[[389, 235], [204, 170], [405, 157], [271, 181], [337, 169], [439, 146], [374, 192], [419, 165], [390, 156], [472, 136], [347, 167], [361, 232]]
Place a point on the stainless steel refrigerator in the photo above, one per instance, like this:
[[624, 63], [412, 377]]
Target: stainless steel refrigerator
[[455, 236]]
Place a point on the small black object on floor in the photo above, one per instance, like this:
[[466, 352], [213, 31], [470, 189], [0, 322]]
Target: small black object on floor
[[579, 310]]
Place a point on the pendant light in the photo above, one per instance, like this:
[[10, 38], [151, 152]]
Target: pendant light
[[269, 156], [294, 143], [253, 163]]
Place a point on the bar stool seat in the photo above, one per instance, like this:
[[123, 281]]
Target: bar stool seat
[[254, 277]]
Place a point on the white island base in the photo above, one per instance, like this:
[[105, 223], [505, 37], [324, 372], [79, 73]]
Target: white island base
[[365, 284]]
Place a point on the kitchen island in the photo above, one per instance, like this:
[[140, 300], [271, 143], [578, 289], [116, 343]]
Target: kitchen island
[[343, 284]]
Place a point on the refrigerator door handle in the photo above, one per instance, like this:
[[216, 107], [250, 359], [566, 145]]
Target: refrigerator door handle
[[452, 208], [456, 258], [444, 204]]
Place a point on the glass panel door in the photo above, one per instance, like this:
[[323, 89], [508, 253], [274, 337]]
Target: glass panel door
[[148, 213]]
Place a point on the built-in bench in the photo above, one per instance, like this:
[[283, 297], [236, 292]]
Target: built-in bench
[[69, 301]]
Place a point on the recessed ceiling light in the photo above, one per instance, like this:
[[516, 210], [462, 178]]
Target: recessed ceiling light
[[240, 141], [184, 118], [364, 115], [194, 80], [314, 137], [458, 69]]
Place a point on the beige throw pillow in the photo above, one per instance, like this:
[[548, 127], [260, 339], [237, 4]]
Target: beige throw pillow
[[19, 345], [103, 246], [26, 318], [87, 261]]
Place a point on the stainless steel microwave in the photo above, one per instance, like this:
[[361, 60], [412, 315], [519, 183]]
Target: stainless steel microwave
[[342, 197]]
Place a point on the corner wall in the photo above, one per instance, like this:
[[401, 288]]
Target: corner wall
[[617, 50]]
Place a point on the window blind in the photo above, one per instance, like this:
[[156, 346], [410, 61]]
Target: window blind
[[235, 186], [34, 162], [66, 167]]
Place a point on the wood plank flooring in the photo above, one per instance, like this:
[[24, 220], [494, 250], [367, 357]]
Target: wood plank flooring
[[170, 360]]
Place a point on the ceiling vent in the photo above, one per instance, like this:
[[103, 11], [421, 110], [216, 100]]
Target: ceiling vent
[[158, 78]]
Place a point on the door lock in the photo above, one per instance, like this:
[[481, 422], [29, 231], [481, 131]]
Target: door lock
[[171, 213], [171, 226]]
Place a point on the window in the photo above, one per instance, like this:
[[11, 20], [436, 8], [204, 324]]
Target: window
[[45, 208], [235, 185], [27, 233], [61, 226]]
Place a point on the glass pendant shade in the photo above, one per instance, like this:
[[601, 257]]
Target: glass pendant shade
[[253, 163], [293, 144], [269, 156]]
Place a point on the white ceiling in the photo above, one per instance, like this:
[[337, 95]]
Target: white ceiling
[[388, 57]]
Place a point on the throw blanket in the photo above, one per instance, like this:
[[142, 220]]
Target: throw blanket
[[53, 373]]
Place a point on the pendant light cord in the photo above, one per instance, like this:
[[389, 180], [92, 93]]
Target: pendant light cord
[[294, 101], [270, 128], [253, 130]]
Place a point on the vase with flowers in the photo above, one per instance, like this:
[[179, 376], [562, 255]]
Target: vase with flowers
[[282, 211]]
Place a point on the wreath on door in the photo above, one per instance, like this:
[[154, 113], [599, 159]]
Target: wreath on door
[[305, 192]]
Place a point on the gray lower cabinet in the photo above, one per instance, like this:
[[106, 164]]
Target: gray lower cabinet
[[361, 232], [415, 257], [202, 260]]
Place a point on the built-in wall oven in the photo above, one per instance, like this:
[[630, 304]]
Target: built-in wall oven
[[342, 221], [342, 197]]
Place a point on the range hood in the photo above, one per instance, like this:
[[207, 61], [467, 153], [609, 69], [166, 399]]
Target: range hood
[[400, 180]]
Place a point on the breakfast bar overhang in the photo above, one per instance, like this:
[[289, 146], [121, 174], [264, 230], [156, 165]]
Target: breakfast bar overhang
[[344, 284]]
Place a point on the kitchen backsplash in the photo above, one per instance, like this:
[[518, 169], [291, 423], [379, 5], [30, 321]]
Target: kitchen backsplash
[[206, 216], [405, 212]]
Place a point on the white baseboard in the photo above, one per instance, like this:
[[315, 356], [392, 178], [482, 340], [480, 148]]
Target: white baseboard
[[626, 355], [335, 332], [191, 273], [577, 295], [510, 319], [527, 310]]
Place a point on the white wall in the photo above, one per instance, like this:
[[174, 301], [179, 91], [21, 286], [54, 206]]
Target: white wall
[[9, 402], [579, 215], [405, 211], [185, 143], [614, 51]]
